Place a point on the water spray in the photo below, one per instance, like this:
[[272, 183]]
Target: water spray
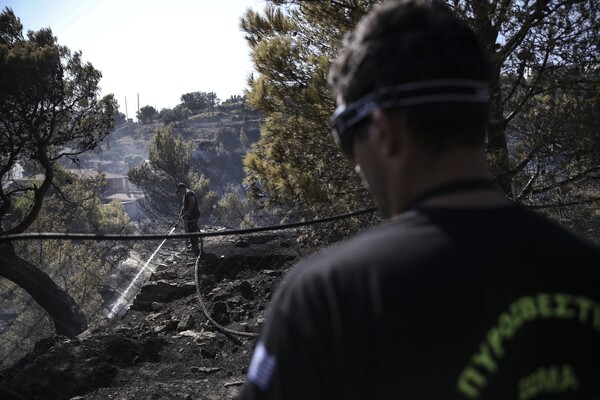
[[125, 299]]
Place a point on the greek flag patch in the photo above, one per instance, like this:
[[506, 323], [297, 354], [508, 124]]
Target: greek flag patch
[[261, 367]]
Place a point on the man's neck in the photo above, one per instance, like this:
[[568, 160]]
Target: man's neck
[[426, 172]]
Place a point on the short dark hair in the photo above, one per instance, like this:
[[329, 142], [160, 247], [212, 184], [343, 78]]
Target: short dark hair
[[413, 40], [181, 186]]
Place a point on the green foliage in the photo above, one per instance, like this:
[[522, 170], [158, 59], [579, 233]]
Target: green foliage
[[174, 116], [295, 161], [169, 155], [169, 164], [199, 101], [235, 102], [220, 159], [49, 110], [27, 328], [239, 212], [78, 267], [133, 160], [146, 114], [232, 209], [207, 198], [235, 99], [120, 118], [544, 58], [229, 137]]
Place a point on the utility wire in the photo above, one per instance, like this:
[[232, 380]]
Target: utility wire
[[201, 235], [133, 237]]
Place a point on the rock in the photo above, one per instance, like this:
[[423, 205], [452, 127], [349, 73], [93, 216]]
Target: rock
[[207, 280], [219, 294], [150, 352], [234, 302], [105, 371], [170, 326], [197, 335], [236, 383], [164, 275], [207, 370], [220, 312], [161, 291], [237, 315], [209, 327], [71, 368], [271, 272], [186, 323], [152, 317], [245, 289], [208, 353]]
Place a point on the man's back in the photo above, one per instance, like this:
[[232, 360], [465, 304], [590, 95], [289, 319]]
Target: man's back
[[475, 299], [443, 303], [190, 202]]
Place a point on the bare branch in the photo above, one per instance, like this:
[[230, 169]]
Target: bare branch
[[529, 185], [530, 92], [576, 178]]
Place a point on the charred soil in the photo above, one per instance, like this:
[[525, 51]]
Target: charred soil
[[165, 346]]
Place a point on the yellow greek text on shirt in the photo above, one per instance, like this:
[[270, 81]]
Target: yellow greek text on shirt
[[474, 377]]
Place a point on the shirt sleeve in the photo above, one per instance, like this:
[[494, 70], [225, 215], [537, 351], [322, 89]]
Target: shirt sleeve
[[293, 358]]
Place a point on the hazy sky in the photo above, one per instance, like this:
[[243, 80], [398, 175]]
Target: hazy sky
[[159, 49]]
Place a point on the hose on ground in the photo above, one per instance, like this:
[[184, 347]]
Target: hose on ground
[[219, 327]]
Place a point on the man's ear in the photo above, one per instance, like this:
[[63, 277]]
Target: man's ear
[[387, 135]]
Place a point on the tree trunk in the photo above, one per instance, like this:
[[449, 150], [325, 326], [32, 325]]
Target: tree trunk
[[68, 318], [497, 145], [487, 30], [497, 151]]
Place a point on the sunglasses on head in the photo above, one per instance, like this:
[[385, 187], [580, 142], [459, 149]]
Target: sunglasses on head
[[347, 116]]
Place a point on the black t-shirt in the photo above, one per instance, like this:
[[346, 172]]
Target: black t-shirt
[[194, 213], [441, 303]]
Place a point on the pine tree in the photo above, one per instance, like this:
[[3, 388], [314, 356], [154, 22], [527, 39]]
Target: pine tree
[[545, 60], [168, 165]]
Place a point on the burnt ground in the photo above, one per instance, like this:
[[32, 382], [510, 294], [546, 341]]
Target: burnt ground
[[165, 347]]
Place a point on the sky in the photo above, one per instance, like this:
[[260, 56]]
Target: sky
[[155, 49]]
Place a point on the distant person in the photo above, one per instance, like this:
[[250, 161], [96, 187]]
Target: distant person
[[190, 213], [462, 294]]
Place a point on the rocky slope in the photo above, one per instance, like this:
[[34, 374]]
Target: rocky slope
[[165, 346]]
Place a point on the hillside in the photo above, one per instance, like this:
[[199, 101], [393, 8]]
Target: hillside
[[219, 142], [165, 347]]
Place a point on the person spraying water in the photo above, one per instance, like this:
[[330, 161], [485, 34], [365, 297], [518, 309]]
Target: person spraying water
[[189, 214]]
